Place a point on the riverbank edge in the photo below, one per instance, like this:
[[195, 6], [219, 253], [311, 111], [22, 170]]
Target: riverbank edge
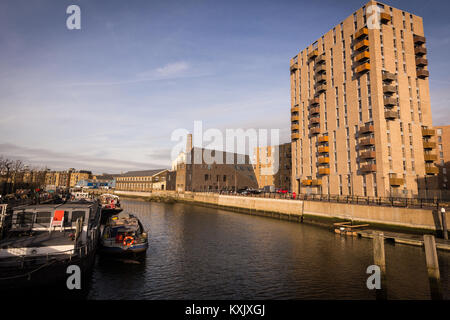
[[317, 220]]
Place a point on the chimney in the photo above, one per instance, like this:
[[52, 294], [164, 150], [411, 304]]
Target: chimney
[[189, 143]]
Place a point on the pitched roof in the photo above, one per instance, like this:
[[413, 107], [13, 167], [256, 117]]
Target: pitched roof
[[141, 173]]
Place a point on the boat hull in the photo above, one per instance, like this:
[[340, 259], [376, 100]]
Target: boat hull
[[134, 249]]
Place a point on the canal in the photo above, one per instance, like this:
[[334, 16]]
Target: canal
[[206, 253]]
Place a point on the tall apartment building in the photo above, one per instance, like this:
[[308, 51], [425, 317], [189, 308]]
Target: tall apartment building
[[443, 147], [272, 167], [360, 108]]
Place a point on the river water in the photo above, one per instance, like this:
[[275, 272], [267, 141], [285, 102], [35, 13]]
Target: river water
[[198, 252]]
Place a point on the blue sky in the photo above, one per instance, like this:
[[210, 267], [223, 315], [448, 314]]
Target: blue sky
[[107, 97]]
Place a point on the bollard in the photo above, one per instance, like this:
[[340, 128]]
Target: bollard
[[380, 261], [432, 267], [444, 224]]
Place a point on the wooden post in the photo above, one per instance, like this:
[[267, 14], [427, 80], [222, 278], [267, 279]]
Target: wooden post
[[444, 224], [380, 261], [432, 267], [303, 209]]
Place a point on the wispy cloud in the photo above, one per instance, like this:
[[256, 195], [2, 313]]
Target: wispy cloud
[[172, 69]]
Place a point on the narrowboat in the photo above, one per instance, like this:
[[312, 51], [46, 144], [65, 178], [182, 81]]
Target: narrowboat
[[41, 241], [123, 234]]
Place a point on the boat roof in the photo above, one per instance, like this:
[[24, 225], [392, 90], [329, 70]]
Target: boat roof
[[124, 221], [68, 205]]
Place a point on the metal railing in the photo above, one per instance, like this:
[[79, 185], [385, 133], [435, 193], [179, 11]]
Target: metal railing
[[349, 199]]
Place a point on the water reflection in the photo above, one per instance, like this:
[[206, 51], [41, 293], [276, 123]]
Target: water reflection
[[204, 253]]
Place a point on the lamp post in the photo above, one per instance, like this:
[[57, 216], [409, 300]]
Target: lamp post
[[444, 224]]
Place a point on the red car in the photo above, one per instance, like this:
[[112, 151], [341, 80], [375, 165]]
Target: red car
[[282, 191]]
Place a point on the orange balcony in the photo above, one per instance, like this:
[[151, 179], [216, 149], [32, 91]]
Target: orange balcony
[[315, 130], [428, 132], [368, 155], [367, 142], [389, 77], [361, 45], [314, 121], [431, 170], [369, 168], [363, 68], [314, 110], [313, 54], [324, 171], [321, 68], [366, 129], [295, 117], [314, 101], [324, 160], [420, 51], [321, 78], [294, 126], [390, 102], [421, 62], [395, 182], [316, 182], [295, 109], [323, 149], [321, 88], [295, 136], [363, 56], [422, 73], [389, 89], [418, 40], [322, 139], [429, 145], [306, 182], [321, 58], [429, 157], [385, 17], [390, 115], [294, 67], [363, 32]]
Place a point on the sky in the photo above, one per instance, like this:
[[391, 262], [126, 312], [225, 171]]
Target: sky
[[109, 96]]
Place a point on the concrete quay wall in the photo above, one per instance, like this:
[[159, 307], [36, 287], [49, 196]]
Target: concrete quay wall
[[409, 218]]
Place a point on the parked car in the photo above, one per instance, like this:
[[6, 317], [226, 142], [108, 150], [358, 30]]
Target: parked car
[[283, 191]]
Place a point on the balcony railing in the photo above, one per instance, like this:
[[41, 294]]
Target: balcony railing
[[395, 182], [368, 155], [385, 17], [322, 139], [295, 135], [363, 68], [323, 149], [369, 168], [324, 160], [429, 145], [366, 129], [389, 89], [315, 130], [306, 182], [390, 115], [418, 40], [321, 78], [422, 73], [314, 110], [313, 54], [294, 67], [363, 32], [321, 88], [363, 44], [428, 132], [390, 102], [314, 101], [316, 182], [388, 76], [321, 69], [320, 59], [420, 51], [294, 126], [295, 109], [429, 157], [363, 56], [314, 120], [295, 117], [324, 171], [431, 170], [421, 62], [367, 142]]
